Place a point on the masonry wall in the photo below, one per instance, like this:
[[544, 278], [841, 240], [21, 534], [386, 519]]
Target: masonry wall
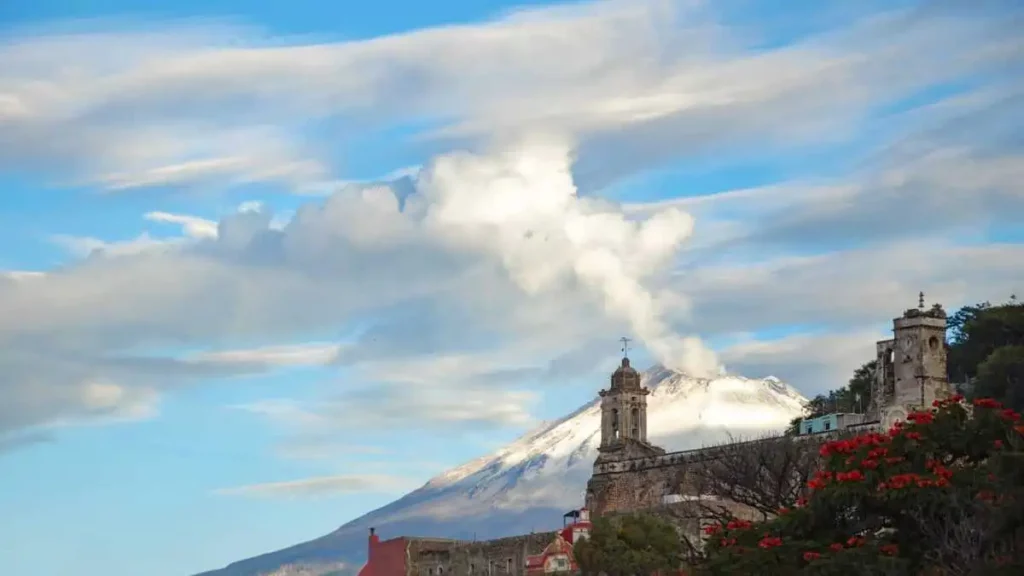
[[499, 557]]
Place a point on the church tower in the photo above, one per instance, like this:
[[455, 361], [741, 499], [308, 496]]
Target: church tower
[[624, 416], [911, 371]]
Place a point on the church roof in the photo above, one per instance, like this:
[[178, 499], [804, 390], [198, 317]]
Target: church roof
[[625, 376]]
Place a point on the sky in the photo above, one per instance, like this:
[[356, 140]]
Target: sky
[[266, 266]]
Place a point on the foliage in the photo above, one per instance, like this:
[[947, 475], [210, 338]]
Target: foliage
[[629, 545], [979, 331], [941, 495], [1001, 375]]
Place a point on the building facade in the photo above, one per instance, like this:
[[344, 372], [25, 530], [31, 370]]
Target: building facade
[[911, 366], [528, 555], [631, 474]]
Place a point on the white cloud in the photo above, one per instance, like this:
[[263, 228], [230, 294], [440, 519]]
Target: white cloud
[[492, 248], [634, 82], [310, 354], [324, 486], [192, 226]]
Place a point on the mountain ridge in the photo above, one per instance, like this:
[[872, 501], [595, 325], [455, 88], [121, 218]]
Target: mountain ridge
[[528, 484]]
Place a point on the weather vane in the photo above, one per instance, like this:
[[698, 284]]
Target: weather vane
[[625, 346]]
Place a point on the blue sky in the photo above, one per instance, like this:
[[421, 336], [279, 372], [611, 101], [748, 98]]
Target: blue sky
[[207, 288]]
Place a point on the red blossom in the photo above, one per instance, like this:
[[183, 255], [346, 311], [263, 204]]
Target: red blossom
[[890, 549], [770, 542], [738, 525], [921, 417], [987, 403], [1009, 414], [811, 555], [851, 476], [836, 547], [997, 444]]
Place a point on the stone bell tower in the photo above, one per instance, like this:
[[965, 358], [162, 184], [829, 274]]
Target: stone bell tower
[[911, 371], [624, 416]]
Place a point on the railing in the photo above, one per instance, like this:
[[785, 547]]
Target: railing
[[709, 452]]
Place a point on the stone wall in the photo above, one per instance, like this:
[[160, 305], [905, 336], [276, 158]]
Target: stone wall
[[503, 556], [645, 483]]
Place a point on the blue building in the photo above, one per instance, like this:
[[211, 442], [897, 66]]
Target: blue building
[[830, 423]]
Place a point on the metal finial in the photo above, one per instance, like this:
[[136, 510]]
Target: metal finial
[[625, 346], [920, 300]]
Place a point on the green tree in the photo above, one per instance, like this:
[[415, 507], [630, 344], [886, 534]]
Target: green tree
[[976, 332], [629, 545], [1001, 375], [942, 495]]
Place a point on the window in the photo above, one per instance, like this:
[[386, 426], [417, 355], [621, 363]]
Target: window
[[440, 569], [828, 425], [810, 429], [508, 566], [471, 567]]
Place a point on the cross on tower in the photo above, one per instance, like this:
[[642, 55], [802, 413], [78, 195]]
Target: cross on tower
[[625, 346]]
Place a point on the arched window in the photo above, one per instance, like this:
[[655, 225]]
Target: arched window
[[615, 423], [635, 422]]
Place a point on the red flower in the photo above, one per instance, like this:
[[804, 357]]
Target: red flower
[[1009, 414], [851, 476], [987, 403], [783, 511], [738, 525], [997, 444], [890, 549], [921, 417], [811, 555], [711, 529], [770, 542]]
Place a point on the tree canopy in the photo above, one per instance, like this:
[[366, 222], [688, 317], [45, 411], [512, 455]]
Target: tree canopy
[[629, 545], [943, 494]]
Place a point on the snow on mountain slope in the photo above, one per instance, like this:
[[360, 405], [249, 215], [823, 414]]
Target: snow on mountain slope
[[528, 484]]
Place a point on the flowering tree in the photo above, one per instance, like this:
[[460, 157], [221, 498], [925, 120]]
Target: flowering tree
[[941, 494]]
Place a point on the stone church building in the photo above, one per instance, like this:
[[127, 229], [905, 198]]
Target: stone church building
[[632, 474]]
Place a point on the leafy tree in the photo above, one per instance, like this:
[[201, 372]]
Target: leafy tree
[[976, 332], [942, 495], [629, 545], [1001, 375]]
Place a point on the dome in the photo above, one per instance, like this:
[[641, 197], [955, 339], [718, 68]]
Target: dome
[[625, 376]]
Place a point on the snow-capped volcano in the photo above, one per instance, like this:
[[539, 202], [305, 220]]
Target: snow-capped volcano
[[530, 483]]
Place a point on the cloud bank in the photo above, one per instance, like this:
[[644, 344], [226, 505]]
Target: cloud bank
[[503, 260]]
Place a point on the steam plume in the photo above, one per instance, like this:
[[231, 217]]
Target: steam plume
[[520, 203]]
